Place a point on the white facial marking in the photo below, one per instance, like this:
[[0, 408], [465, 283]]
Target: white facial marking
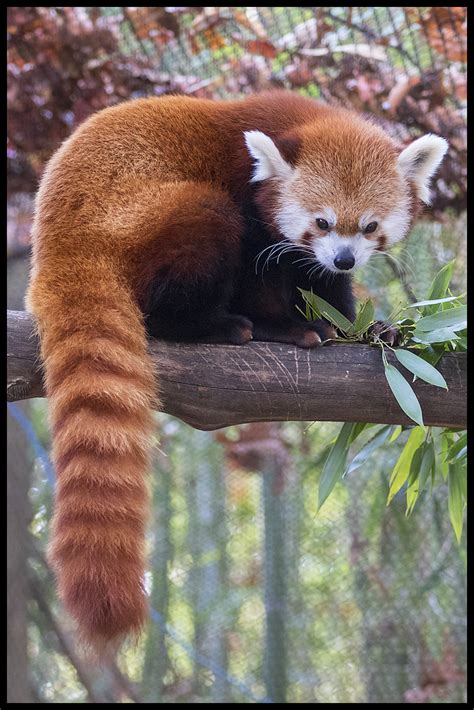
[[395, 225], [420, 161], [293, 219], [269, 162], [327, 248]]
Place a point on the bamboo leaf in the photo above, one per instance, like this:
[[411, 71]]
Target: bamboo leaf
[[327, 311], [413, 484], [463, 481], [458, 449], [403, 393], [358, 428], [436, 300], [460, 455], [396, 434], [413, 491], [366, 450], [402, 468], [308, 297], [364, 318], [335, 463], [442, 335], [445, 443], [452, 318], [456, 502], [441, 281], [421, 467], [312, 312], [415, 464], [420, 368], [427, 464]]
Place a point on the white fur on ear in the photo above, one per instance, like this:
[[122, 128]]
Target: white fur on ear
[[420, 161], [269, 162]]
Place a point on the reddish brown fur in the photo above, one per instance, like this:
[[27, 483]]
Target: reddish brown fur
[[354, 169], [119, 203]]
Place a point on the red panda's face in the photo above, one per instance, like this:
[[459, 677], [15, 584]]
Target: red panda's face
[[348, 192]]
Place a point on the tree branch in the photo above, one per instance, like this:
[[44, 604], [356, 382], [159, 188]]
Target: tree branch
[[212, 386]]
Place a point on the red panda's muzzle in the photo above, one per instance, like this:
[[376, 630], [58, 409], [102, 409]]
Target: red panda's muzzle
[[344, 260]]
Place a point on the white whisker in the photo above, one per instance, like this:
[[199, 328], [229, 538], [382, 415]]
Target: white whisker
[[318, 268], [257, 258], [305, 260], [277, 250], [403, 267]]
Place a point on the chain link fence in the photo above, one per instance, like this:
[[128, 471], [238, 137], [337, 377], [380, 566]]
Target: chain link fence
[[406, 67]]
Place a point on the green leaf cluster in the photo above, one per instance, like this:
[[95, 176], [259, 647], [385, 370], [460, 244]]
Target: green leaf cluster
[[435, 326]]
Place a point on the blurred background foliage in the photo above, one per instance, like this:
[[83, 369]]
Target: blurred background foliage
[[255, 598]]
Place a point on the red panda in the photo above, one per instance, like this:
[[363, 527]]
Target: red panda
[[186, 219]]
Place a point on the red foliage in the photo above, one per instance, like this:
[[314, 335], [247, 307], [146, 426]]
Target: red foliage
[[63, 65], [66, 63]]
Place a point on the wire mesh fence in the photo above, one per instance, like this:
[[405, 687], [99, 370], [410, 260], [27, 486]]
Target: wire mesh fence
[[404, 66], [254, 596]]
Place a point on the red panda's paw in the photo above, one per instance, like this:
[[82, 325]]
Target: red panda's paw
[[306, 338], [311, 334], [387, 332], [324, 329], [304, 335], [240, 330], [231, 329]]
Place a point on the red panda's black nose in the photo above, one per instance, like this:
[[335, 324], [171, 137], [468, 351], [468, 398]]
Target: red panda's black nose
[[344, 260]]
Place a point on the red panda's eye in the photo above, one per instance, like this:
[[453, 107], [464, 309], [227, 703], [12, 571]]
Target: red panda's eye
[[371, 227], [322, 224]]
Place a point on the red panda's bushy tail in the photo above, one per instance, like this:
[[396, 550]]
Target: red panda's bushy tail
[[100, 384]]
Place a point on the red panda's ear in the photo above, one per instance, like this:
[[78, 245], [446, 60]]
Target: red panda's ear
[[289, 147], [420, 161], [269, 162]]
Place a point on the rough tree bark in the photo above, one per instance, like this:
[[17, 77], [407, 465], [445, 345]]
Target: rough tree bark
[[212, 386]]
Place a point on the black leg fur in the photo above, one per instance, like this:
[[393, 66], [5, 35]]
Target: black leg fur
[[200, 243], [190, 311]]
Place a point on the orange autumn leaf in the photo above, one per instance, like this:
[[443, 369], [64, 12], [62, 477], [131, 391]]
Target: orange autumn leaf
[[446, 31], [261, 46]]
